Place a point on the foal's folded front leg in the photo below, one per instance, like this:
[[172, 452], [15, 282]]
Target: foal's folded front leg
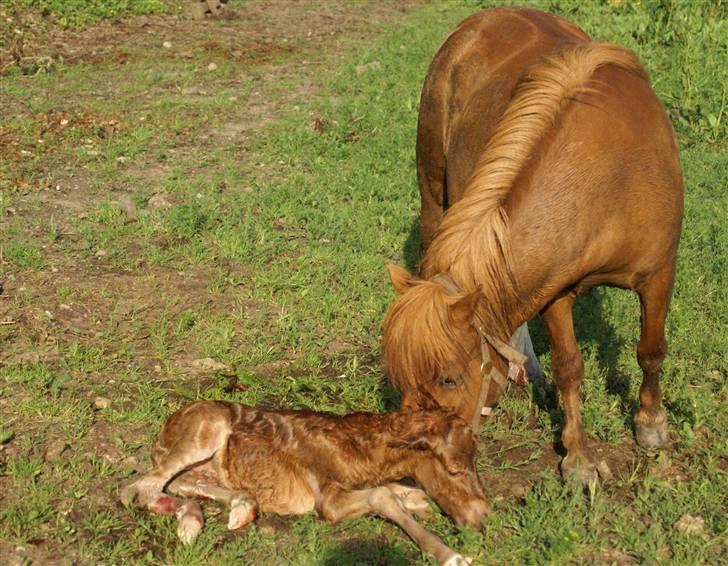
[[337, 504], [414, 499]]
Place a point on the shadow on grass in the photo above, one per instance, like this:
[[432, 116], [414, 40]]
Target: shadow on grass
[[593, 331], [411, 250], [365, 551]]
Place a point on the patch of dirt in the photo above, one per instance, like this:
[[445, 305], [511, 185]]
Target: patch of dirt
[[253, 32]]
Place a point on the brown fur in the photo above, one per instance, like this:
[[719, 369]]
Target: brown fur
[[546, 166], [295, 462]]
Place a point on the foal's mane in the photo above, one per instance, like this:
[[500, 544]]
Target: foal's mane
[[473, 241]]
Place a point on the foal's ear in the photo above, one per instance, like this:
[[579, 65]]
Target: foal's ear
[[423, 435], [463, 311], [401, 278]]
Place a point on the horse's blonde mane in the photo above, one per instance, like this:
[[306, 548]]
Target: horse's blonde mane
[[472, 243]]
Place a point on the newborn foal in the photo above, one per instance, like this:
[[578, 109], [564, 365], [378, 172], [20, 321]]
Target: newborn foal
[[295, 462]]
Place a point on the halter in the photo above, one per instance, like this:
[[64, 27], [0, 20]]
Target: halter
[[488, 371]]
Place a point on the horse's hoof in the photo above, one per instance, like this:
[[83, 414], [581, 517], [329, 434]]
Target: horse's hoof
[[579, 475], [651, 433]]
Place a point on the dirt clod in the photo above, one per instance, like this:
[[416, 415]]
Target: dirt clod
[[690, 524], [55, 449]]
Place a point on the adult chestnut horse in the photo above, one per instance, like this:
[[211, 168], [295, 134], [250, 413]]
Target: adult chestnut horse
[[546, 166]]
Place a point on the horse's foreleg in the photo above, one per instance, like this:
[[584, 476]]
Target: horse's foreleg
[[568, 372], [650, 422]]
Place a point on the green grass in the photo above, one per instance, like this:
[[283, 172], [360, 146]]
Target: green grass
[[269, 259]]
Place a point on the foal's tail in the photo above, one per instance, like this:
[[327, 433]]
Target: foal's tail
[[472, 242]]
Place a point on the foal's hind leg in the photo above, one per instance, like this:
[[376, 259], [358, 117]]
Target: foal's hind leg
[[148, 491], [568, 371], [243, 507], [650, 422]]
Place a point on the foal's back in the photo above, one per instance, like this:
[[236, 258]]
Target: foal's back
[[286, 458]]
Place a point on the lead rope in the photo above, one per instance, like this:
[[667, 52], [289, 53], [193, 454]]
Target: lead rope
[[488, 371]]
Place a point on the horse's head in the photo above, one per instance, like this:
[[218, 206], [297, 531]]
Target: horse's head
[[431, 348]]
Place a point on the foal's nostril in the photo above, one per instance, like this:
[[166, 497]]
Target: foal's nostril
[[475, 513]]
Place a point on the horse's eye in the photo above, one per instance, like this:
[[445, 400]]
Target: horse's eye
[[448, 383]]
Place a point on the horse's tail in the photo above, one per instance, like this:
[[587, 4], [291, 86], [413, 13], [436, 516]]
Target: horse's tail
[[472, 241]]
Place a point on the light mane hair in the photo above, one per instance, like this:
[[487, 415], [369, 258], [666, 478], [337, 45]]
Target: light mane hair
[[421, 345], [472, 243]]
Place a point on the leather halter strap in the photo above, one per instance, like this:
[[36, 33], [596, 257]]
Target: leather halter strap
[[488, 371]]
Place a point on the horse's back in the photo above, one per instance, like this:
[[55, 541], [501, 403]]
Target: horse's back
[[600, 199], [472, 78]]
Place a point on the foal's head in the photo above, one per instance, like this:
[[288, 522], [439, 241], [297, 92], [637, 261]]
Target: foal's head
[[446, 466], [430, 347]]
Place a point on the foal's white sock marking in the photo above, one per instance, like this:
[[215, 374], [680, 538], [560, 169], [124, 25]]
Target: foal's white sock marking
[[190, 522], [458, 560], [242, 512]]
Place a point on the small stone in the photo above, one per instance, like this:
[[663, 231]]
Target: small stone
[[101, 403], [167, 45], [690, 524], [212, 67], [159, 201], [364, 67], [127, 205], [208, 364], [100, 253], [130, 462]]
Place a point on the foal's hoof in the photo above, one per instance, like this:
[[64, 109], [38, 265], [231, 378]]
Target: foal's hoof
[[189, 517], [651, 432], [128, 494], [242, 512], [415, 501], [458, 560]]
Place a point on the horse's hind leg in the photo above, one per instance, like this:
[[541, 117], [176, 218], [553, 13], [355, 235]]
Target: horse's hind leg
[[430, 172], [568, 372], [650, 422]]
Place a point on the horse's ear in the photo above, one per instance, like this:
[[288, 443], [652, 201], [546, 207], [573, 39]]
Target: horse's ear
[[463, 311], [401, 278]]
